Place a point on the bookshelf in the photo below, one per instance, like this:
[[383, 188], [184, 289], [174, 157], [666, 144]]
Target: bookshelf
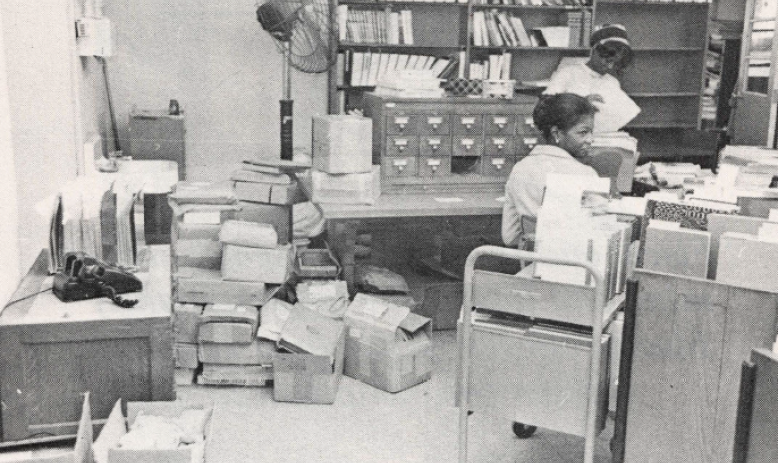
[[670, 41]]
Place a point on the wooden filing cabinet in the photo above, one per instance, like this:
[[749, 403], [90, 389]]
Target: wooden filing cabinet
[[53, 352], [449, 143]]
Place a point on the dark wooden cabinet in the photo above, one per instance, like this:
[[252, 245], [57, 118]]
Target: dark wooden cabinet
[[53, 352], [157, 135]]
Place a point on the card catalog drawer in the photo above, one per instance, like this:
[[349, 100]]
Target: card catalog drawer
[[496, 145], [399, 145], [435, 146], [524, 144], [404, 166], [497, 165], [467, 146], [526, 125], [500, 124], [436, 166], [432, 124], [472, 124], [407, 123]]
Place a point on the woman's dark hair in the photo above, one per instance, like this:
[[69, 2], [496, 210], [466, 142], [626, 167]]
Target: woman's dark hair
[[618, 53], [562, 110]]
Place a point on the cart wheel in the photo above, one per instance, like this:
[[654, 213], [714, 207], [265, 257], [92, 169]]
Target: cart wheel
[[523, 431]]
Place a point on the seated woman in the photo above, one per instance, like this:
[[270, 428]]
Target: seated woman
[[565, 121]]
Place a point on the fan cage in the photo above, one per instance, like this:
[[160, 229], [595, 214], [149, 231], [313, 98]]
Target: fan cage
[[311, 33]]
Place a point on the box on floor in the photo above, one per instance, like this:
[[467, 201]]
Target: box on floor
[[272, 266], [185, 355], [312, 374], [387, 346], [228, 323], [186, 320], [258, 352], [81, 452], [107, 450], [205, 286], [235, 375]]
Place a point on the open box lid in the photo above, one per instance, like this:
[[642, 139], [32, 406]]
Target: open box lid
[[383, 318], [307, 331]]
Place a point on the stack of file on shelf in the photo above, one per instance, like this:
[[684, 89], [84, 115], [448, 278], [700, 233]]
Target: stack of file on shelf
[[366, 68], [375, 26], [410, 84], [500, 28]]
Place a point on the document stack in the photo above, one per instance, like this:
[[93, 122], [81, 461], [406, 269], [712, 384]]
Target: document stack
[[410, 84]]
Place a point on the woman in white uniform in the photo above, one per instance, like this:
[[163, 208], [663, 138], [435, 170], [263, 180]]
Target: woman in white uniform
[[565, 121], [611, 54]]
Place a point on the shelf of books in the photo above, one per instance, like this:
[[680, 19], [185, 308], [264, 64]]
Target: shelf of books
[[525, 40]]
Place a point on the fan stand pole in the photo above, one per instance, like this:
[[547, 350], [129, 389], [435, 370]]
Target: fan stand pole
[[286, 106]]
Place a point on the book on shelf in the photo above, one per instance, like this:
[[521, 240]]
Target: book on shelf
[[368, 67], [375, 26]]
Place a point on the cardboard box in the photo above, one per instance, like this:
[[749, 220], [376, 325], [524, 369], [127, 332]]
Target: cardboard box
[[346, 188], [252, 191], [316, 263], [185, 355], [226, 333], [186, 319], [278, 216], [81, 452], [205, 286], [231, 313], [313, 373], [249, 234], [241, 263], [187, 192], [387, 346], [106, 445], [259, 352], [327, 297], [236, 375], [287, 194], [342, 144]]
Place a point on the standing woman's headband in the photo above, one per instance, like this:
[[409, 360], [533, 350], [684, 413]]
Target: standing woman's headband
[[609, 33]]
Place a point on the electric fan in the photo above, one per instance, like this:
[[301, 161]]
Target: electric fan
[[303, 34]]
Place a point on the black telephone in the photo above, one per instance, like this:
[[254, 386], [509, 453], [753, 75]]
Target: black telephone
[[85, 277]]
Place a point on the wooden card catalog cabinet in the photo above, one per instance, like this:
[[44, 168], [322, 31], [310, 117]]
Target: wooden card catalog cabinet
[[449, 144]]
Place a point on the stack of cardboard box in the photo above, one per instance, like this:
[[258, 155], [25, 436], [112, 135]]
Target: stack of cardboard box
[[230, 352], [251, 253], [342, 160]]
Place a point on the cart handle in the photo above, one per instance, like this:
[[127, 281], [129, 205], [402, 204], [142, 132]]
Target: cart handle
[[467, 306]]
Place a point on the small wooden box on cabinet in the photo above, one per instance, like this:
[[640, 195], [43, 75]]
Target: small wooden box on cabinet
[[158, 135], [449, 143]]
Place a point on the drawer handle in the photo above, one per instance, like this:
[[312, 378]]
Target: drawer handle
[[401, 148], [526, 294], [468, 144], [433, 164], [498, 163], [500, 122], [157, 146]]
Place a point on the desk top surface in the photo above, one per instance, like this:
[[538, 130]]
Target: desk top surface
[[153, 301], [420, 205]]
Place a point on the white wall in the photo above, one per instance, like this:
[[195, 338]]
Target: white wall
[[38, 38], [9, 246], [225, 71]]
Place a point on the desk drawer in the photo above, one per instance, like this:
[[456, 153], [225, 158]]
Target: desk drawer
[[403, 124], [500, 124], [401, 166], [496, 145], [435, 124], [435, 146], [401, 145], [497, 165], [435, 166], [467, 146], [469, 124]]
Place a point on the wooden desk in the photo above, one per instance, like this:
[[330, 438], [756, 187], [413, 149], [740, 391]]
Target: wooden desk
[[343, 219], [53, 351], [419, 205]]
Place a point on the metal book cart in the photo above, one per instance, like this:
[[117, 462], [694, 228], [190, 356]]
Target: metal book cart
[[536, 353]]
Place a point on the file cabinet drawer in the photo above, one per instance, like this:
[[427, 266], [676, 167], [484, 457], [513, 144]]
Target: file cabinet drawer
[[468, 146], [499, 166], [524, 144], [435, 124], [500, 124], [436, 166], [526, 126], [402, 124], [404, 166], [469, 124], [402, 146], [499, 146], [435, 146]]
